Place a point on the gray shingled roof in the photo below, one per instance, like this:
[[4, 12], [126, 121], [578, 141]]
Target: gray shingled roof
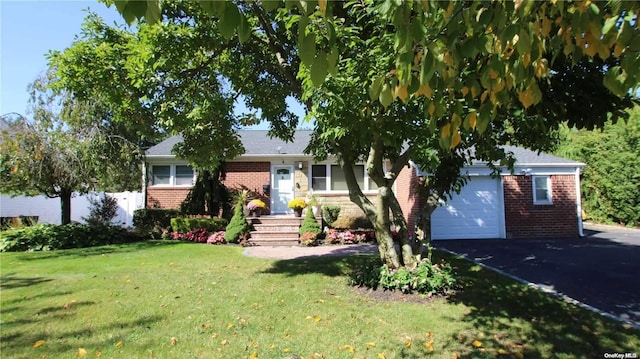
[[528, 157], [257, 143]]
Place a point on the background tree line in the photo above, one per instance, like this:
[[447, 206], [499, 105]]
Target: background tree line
[[611, 179]]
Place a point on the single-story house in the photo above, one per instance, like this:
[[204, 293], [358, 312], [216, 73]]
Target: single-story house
[[540, 199]]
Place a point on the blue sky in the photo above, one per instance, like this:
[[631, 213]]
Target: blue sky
[[28, 30]]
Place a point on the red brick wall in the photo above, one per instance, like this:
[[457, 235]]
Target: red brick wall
[[406, 192], [526, 220], [166, 197], [240, 175], [248, 175]]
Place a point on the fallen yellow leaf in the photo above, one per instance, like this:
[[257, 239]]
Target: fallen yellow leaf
[[371, 344], [317, 318], [454, 356], [502, 352], [214, 335], [254, 355], [428, 334], [174, 341], [97, 354], [271, 346], [230, 325], [429, 345], [349, 348], [82, 352], [118, 344], [407, 344], [381, 356], [224, 342], [477, 343], [39, 343], [286, 350]]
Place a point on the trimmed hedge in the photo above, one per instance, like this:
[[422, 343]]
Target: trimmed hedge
[[238, 228], [184, 225], [310, 224], [352, 222], [153, 218], [49, 237]]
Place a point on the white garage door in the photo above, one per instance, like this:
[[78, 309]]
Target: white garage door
[[474, 213]]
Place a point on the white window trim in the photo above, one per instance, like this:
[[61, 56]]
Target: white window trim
[[328, 178], [172, 176], [547, 201]]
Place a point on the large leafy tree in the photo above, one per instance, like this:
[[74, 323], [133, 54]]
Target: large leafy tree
[[611, 179], [438, 82], [53, 155]]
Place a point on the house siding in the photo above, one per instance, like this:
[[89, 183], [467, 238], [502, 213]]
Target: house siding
[[523, 219]]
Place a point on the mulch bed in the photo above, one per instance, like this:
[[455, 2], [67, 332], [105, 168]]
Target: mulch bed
[[381, 295]]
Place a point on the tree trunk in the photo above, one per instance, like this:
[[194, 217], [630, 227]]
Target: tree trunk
[[382, 226], [65, 206], [423, 223]]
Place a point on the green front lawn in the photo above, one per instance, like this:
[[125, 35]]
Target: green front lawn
[[184, 300]]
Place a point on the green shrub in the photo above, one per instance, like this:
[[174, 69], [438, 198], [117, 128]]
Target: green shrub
[[426, 278], [310, 224], [102, 210], [238, 226], [20, 221], [352, 222], [153, 219], [330, 213], [184, 225], [73, 235]]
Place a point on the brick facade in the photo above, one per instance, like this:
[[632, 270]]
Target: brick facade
[[523, 219], [407, 184], [526, 220], [166, 197]]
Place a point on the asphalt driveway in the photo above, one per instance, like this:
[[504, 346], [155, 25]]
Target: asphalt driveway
[[601, 270]]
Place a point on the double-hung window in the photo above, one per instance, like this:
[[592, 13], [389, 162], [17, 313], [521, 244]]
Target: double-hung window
[[330, 177], [541, 190], [171, 175]]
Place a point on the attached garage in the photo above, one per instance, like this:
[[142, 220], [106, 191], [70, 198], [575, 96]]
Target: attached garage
[[475, 213]]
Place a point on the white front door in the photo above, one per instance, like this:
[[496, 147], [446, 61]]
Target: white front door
[[282, 182]]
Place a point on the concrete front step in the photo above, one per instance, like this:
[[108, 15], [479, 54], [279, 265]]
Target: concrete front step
[[275, 230], [274, 238]]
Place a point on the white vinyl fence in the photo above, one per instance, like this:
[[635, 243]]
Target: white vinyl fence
[[48, 209]]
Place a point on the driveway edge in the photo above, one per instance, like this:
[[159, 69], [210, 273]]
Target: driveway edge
[[547, 290]]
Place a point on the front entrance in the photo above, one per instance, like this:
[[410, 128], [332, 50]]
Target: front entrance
[[282, 182]]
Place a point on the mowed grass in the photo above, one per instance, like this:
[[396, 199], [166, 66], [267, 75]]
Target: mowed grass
[[183, 300]]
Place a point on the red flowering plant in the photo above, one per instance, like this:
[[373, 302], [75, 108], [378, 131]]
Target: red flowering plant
[[308, 239], [216, 238]]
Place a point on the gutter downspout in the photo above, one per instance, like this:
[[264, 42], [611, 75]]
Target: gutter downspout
[[144, 184], [579, 202]]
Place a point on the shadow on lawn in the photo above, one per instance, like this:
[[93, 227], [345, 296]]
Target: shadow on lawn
[[11, 281], [507, 318], [329, 265], [96, 251], [19, 341], [521, 320]]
